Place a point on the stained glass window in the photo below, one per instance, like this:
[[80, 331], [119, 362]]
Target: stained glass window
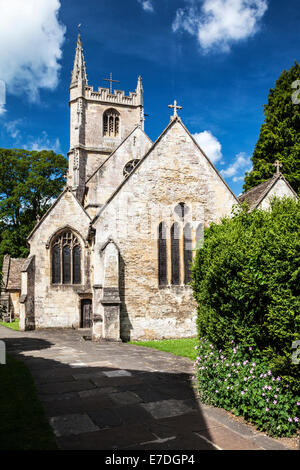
[[56, 264], [188, 253], [66, 259], [175, 253], [162, 255]]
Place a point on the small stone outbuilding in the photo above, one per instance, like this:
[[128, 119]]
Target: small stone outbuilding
[[11, 286]]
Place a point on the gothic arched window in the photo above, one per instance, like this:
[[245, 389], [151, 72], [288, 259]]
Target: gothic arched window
[[199, 236], [175, 253], [66, 259], [111, 123], [180, 256], [162, 255], [188, 253]]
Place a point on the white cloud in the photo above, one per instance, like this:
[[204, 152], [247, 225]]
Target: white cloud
[[2, 97], [43, 143], [219, 23], [241, 164], [210, 145], [146, 5], [15, 129], [12, 128], [31, 38]]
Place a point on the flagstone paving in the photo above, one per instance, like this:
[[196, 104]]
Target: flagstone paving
[[116, 396]]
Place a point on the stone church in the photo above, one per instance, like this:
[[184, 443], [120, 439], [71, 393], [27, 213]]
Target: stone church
[[113, 252]]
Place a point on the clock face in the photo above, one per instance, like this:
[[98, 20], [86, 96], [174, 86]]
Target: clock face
[[130, 166]]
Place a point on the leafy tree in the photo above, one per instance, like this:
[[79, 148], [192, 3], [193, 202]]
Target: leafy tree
[[29, 182], [246, 282], [279, 135]]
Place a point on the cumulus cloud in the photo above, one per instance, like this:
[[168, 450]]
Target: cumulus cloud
[[210, 145], [31, 38], [146, 5], [217, 24], [241, 164], [15, 130], [12, 128], [43, 143], [2, 97]]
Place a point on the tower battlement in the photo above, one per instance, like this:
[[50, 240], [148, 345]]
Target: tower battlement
[[117, 97]]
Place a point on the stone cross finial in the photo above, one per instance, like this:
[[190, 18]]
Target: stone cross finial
[[110, 79], [175, 107], [278, 165]]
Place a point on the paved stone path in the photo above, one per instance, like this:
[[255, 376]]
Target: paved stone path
[[117, 396]]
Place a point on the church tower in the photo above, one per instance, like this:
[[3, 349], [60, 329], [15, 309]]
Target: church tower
[[99, 121]]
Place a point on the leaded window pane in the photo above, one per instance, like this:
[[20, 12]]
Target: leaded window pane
[[76, 265], [175, 254], [66, 264], [162, 255], [188, 253], [56, 264]]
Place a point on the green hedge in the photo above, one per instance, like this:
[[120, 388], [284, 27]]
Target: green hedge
[[246, 281]]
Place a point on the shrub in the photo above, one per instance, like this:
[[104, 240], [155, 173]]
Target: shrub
[[246, 281], [240, 381]]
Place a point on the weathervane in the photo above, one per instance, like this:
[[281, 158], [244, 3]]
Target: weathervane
[[110, 79], [175, 107]]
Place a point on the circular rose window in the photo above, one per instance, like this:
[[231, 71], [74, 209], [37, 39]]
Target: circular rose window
[[130, 166]]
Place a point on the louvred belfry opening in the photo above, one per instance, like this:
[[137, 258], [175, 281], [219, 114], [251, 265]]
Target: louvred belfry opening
[[111, 123]]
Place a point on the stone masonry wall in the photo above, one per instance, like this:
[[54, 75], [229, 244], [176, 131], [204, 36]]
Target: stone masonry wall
[[280, 189], [59, 305], [175, 171], [110, 175]]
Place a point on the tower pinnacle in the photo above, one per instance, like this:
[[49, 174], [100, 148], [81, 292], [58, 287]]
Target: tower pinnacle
[[79, 74], [140, 91]]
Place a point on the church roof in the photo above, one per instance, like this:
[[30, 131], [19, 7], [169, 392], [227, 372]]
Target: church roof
[[67, 188], [171, 123], [254, 196], [12, 268]]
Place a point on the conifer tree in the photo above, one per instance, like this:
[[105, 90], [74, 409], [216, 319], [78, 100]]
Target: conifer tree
[[279, 137]]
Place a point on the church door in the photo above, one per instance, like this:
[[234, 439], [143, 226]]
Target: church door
[[86, 313]]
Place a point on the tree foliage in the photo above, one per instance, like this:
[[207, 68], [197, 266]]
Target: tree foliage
[[279, 137], [29, 181], [246, 282]]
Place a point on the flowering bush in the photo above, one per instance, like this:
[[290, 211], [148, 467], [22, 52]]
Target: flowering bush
[[240, 381]]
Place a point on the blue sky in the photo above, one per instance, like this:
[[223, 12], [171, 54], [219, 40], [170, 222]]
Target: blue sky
[[218, 58]]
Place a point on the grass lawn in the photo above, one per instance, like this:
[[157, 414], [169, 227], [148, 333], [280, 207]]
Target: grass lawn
[[179, 347], [14, 325], [23, 424]]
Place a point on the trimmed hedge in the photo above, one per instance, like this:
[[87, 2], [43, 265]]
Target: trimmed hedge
[[246, 281]]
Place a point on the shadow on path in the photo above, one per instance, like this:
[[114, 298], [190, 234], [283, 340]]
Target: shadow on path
[[91, 404]]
